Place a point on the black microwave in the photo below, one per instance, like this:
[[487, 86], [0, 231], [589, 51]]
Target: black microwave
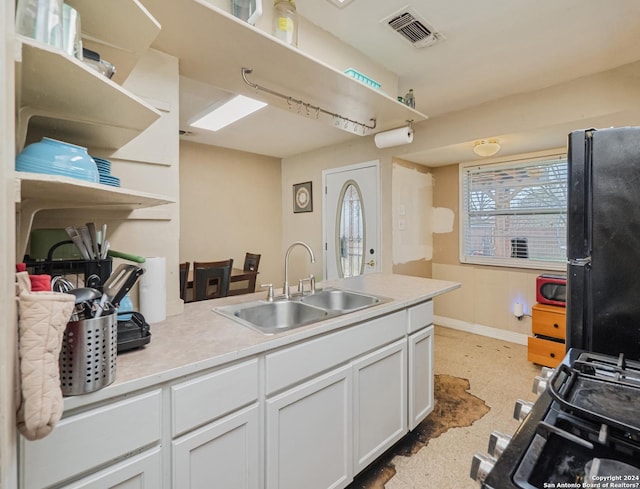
[[552, 290]]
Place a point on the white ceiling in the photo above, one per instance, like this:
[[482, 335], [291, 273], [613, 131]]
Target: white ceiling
[[490, 49]]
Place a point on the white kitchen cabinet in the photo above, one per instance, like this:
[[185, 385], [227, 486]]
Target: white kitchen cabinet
[[379, 401], [225, 453], [215, 429], [420, 375], [140, 472], [89, 440], [345, 418], [309, 434]]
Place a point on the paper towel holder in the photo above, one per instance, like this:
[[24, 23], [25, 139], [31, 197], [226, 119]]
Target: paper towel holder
[[386, 139]]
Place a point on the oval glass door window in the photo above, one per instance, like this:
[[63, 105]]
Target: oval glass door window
[[350, 231]]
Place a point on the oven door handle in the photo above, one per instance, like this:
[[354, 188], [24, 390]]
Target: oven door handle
[[545, 429]]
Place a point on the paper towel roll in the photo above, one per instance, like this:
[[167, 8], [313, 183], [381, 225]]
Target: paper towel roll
[[153, 289], [395, 137]]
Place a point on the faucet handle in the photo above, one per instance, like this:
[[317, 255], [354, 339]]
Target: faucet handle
[[312, 282], [269, 292]]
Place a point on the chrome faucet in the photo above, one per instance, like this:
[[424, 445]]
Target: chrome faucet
[[285, 289]]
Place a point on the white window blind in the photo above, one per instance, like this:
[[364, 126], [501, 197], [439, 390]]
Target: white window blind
[[515, 214]]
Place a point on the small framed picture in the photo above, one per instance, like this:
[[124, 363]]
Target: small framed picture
[[302, 197]]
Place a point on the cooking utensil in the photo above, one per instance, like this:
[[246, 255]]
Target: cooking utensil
[[126, 256], [118, 285], [91, 226], [86, 239], [104, 249], [77, 240], [61, 284], [86, 302], [85, 294]]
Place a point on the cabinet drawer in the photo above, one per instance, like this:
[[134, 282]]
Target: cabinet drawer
[[86, 440], [139, 472], [545, 352], [549, 321], [292, 365], [420, 316], [205, 398]]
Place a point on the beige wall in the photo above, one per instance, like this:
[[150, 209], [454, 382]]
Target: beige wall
[[230, 205], [487, 294], [484, 302], [308, 226]]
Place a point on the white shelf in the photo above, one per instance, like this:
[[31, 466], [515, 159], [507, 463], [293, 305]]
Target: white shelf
[[72, 102], [213, 47], [36, 192], [120, 30], [65, 192]]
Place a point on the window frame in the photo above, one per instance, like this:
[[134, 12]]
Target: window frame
[[528, 263]]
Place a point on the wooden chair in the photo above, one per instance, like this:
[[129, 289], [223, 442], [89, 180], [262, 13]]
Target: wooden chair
[[184, 280], [207, 275], [251, 263]]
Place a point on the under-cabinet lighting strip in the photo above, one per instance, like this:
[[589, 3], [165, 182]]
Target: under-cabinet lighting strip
[[309, 107]]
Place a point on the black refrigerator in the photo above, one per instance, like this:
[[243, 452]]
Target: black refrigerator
[[603, 241]]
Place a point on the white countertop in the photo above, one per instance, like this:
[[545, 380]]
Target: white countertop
[[200, 338]]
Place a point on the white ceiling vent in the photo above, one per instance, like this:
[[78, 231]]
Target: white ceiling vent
[[412, 26]]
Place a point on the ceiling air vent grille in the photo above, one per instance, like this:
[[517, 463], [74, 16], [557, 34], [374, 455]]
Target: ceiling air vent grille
[[412, 28]]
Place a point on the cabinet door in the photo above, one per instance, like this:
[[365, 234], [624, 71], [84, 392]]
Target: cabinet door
[[308, 434], [221, 454], [140, 472], [380, 402], [420, 376]]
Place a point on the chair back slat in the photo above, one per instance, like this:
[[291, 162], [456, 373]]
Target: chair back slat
[[211, 279]]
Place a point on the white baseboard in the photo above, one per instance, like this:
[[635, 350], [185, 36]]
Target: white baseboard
[[498, 334]]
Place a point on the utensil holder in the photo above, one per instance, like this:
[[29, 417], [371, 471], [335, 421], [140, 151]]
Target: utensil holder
[[88, 355]]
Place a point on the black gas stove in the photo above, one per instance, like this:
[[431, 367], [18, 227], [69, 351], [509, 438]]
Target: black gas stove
[[583, 431]]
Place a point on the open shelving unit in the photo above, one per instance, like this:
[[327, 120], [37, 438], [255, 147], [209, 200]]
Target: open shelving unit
[[63, 98], [213, 46]]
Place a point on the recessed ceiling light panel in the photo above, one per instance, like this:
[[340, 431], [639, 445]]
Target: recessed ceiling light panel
[[231, 111], [340, 3]]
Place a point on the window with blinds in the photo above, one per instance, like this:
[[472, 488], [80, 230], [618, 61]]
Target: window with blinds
[[515, 214]]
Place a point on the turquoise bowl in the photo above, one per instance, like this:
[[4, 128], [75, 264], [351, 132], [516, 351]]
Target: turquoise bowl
[[54, 157]]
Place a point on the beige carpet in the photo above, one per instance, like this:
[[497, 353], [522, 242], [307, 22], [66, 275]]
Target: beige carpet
[[478, 380]]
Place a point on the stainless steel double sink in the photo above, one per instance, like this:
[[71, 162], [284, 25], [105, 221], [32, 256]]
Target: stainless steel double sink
[[270, 317]]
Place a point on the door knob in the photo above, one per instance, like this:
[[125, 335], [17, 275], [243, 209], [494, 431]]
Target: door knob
[[371, 263]]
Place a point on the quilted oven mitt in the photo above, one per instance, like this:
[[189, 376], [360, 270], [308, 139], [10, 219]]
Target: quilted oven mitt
[[43, 317]]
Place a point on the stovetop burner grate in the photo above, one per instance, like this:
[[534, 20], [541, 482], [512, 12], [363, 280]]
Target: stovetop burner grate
[[600, 389]]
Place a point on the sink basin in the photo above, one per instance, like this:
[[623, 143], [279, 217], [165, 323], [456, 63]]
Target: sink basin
[[340, 300], [286, 314], [273, 317]]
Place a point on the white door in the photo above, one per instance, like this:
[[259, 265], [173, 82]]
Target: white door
[[351, 216]]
